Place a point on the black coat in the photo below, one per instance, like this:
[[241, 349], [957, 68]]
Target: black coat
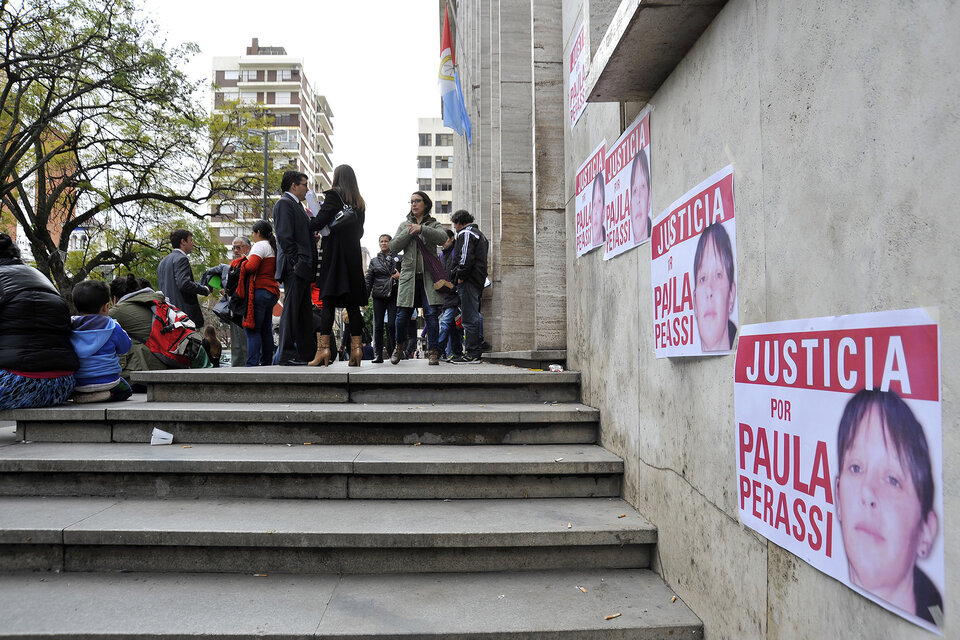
[[341, 280], [296, 248], [34, 322], [380, 283]]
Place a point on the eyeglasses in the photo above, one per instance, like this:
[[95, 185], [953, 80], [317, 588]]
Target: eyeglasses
[[416, 200]]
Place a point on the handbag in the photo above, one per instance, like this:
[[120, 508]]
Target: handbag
[[437, 273], [346, 218]]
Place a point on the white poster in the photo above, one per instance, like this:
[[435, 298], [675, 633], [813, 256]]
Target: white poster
[[577, 72], [693, 270], [589, 202], [839, 451], [627, 172]]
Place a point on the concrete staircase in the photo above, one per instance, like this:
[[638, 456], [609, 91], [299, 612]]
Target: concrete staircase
[[461, 501]]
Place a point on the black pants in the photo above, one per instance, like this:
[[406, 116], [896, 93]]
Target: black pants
[[381, 305], [327, 315], [297, 338]]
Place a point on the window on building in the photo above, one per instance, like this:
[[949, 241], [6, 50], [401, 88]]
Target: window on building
[[248, 75], [285, 75], [231, 75], [443, 162], [249, 97], [424, 184], [444, 139], [444, 184], [425, 139], [283, 97], [423, 162], [444, 207]]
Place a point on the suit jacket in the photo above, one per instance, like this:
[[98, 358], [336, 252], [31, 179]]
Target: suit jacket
[[296, 248], [175, 280]]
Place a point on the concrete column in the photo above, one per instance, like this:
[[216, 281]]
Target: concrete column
[[518, 275], [548, 174]]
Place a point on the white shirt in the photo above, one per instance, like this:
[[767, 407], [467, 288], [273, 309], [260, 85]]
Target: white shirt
[[263, 249]]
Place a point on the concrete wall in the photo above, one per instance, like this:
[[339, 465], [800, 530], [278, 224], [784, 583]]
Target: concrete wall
[[840, 122]]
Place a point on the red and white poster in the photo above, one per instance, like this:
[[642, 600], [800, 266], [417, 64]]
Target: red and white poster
[[577, 72], [589, 202], [693, 270], [627, 171], [839, 451]]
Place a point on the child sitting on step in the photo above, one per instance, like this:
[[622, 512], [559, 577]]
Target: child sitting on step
[[99, 341]]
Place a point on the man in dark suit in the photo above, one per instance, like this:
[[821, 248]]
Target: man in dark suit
[[296, 268], [175, 278]]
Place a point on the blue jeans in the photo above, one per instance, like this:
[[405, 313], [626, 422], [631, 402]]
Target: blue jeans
[[260, 338], [431, 315], [451, 340], [470, 314]]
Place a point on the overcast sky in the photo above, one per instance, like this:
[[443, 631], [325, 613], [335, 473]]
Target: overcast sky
[[376, 61]]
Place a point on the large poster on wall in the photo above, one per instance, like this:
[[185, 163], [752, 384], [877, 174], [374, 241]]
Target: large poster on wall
[[589, 202], [577, 72], [693, 271], [838, 457], [627, 194]]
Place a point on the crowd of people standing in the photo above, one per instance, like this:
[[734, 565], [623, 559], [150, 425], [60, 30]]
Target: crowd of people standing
[[423, 269]]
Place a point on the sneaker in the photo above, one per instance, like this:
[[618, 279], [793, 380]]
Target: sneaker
[[96, 396], [466, 359]]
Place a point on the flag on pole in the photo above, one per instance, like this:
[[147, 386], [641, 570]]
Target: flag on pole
[[454, 109]]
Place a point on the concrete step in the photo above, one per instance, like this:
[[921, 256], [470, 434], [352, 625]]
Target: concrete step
[[320, 423], [314, 471], [411, 380], [321, 536], [502, 606]]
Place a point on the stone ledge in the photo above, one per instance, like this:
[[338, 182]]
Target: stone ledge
[[646, 40]]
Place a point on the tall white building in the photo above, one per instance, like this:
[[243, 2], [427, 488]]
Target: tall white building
[[435, 165], [301, 130]]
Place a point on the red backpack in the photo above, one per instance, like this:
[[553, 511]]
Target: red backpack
[[173, 338]]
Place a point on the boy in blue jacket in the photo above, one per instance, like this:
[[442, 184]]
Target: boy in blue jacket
[[99, 341]]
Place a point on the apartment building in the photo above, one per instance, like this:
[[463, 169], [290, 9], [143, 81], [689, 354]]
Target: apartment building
[[435, 165], [301, 131]]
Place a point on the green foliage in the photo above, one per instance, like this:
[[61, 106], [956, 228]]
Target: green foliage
[[102, 131]]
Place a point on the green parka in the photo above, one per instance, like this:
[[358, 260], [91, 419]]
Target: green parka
[[433, 235]]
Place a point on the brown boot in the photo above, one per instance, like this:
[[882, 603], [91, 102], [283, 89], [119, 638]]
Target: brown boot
[[434, 357], [399, 353], [323, 356], [356, 351]]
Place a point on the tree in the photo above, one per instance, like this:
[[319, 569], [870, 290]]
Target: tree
[[100, 130]]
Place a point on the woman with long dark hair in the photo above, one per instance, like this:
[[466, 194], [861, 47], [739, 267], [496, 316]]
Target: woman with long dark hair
[[340, 282], [261, 289], [383, 273]]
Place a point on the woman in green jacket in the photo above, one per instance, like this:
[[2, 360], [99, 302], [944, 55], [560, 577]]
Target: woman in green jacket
[[416, 285]]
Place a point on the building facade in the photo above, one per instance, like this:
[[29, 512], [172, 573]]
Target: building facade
[[843, 205], [301, 131], [435, 165]]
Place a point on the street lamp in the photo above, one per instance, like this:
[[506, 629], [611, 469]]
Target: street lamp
[[266, 160]]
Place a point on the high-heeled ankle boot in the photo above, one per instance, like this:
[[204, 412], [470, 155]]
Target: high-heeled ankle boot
[[356, 351], [323, 357]]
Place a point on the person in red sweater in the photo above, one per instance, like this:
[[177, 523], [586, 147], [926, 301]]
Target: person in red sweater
[[257, 278]]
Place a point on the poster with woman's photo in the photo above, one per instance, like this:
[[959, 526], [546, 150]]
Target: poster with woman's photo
[[839, 451], [694, 271], [589, 202], [627, 194]]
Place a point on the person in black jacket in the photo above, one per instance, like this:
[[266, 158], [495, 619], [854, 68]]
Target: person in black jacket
[[383, 273], [37, 360], [451, 337], [341, 281], [469, 275], [175, 278]]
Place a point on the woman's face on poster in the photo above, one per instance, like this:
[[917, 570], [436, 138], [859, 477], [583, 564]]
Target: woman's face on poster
[[639, 203], [714, 296], [879, 511], [596, 212]]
